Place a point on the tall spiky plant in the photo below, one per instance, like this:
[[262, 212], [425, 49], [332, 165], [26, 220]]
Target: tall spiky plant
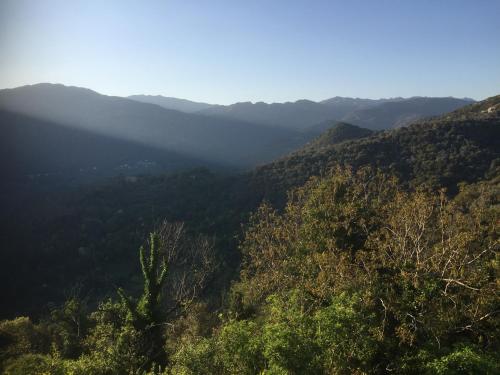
[[145, 311]]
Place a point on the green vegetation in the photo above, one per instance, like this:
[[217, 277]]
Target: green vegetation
[[338, 133], [305, 266], [460, 147], [355, 275]]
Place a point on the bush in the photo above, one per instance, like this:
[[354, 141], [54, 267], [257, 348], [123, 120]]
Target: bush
[[195, 357], [20, 336], [343, 334], [464, 360], [34, 364], [288, 336], [239, 347]]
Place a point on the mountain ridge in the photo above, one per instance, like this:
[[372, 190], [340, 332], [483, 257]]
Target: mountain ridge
[[301, 114], [443, 151], [234, 142]]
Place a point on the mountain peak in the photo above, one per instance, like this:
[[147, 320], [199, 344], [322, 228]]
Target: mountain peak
[[337, 133], [52, 87]]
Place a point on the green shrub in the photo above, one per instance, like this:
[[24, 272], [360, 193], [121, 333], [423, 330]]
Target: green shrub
[[194, 357], [464, 360], [239, 347]]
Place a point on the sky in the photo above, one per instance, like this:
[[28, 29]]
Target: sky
[[226, 51]]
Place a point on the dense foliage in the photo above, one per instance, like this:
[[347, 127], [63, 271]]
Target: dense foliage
[[389, 265], [356, 275], [84, 241], [359, 276], [439, 153]]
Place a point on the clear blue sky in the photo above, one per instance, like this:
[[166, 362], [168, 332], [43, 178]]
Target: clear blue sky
[[223, 51]]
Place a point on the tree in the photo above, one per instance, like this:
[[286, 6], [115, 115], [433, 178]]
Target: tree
[[146, 313], [186, 263]]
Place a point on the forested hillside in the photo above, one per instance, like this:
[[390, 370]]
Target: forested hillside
[[362, 252], [249, 187], [337, 132], [462, 146]]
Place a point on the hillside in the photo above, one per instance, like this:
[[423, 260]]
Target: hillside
[[223, 141], [337, 132], [485, 109], [101, 219], [176, 104], [461, 146], [83, 242]]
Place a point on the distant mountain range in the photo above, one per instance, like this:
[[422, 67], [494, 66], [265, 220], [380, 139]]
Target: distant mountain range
[[74, 111], [371, 114], [52, 128], [69, 235]]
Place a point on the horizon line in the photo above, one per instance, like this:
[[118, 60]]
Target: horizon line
[[246, 101]]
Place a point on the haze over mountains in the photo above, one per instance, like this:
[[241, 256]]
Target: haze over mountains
[[249, 187], [375, 114], [72, 128], [59, 237], [223, 141]]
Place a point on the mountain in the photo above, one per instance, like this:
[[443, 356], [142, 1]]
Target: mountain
[[488, 109], [337, 133], [124, 133], [463, 145], [345, 105], [296, 115], [93, 235], [176, 104], [357, 102], [394, 114], [214, 140], [302, 114]]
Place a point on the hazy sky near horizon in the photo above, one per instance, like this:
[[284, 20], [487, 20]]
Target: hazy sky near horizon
[[224, 51]]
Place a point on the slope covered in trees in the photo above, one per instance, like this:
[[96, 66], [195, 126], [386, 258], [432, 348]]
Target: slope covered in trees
[[337, 133], [74, 236], [460, 146], [359, 276], [355, 275], [364, 268]]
